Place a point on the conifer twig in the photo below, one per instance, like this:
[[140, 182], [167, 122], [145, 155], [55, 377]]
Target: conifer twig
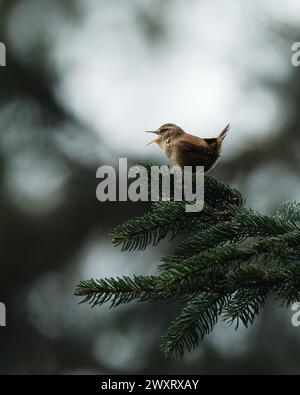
[[232, 259]]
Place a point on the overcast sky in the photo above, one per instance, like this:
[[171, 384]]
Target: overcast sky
[[201, 76]]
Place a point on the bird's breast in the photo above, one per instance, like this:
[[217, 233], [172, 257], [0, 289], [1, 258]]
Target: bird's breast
[[167, 147]]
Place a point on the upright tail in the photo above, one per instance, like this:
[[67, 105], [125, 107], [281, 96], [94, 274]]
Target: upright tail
[[224, 132]]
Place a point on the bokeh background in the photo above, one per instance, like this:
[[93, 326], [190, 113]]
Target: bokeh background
[[83, 80]]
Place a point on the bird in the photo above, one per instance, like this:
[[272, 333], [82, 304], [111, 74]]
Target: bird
[[184, 149]]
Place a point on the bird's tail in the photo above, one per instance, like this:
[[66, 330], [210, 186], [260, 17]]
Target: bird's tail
[[224, 132]]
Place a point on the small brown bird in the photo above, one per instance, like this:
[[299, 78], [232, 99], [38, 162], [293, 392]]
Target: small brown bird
[[184, 149]]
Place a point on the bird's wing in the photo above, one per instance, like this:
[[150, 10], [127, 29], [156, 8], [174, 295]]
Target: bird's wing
[[194, 151]]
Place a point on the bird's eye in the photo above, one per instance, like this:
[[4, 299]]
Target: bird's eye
[[162, 130]]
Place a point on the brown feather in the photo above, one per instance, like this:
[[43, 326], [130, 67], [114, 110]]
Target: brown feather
[[194, 151], [184, 149]]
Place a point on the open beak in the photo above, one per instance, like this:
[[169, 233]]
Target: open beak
[[155, 139]]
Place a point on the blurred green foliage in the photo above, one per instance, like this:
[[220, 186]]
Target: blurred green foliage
[[41, 239]]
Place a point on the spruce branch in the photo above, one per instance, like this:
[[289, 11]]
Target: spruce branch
[[245, 224], [195, 321], [231, 260]]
